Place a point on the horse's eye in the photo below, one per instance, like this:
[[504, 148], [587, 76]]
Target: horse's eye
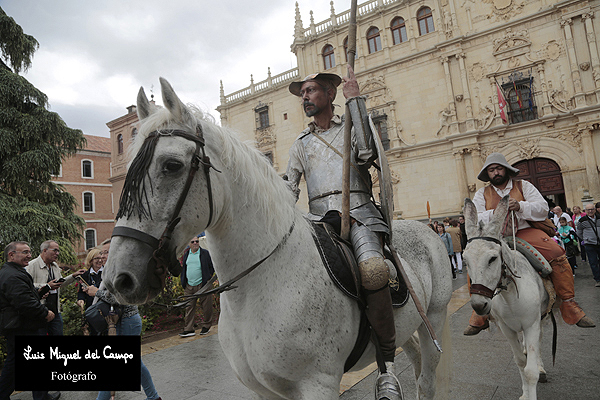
[[172, 166], [493, 259]]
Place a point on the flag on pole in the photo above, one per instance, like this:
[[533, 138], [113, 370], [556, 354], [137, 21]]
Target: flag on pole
[[501, 104], [517, 94]]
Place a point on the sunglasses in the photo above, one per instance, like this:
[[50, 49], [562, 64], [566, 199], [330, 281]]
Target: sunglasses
[[195, 241]]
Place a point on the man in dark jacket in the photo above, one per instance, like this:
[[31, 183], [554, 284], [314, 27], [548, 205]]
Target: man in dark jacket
[[197, 271], [588, 229], [21, 312]]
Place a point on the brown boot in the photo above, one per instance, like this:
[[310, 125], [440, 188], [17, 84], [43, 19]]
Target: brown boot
[[477, 323], [564, 285], [380, 314]]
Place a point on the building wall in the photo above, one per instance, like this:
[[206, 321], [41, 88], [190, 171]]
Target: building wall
[[438, 91], [101, 219], [125, 128]]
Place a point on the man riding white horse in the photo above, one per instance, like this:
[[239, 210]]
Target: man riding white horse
[[529, 206], [316, 153]]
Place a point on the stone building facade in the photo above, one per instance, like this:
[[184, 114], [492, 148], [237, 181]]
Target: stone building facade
[[86, 176], [433, 71]]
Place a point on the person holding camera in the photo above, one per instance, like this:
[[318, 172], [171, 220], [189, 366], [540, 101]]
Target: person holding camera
[[47, 278]]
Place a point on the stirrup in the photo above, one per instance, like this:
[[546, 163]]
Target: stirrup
[[387, 387]]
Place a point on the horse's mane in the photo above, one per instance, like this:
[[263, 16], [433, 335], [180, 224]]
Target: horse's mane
[[246, 166]]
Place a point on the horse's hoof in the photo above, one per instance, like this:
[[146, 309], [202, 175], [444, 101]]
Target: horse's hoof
[[543, 378], [387, 387]]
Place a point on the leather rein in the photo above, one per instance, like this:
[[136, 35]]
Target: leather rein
[[483, 290], [162, 256]]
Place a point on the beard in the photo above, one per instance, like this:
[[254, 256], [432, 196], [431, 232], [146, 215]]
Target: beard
[[314, 111], [499, 180]]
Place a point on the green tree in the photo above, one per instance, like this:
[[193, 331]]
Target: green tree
[[33, 143]]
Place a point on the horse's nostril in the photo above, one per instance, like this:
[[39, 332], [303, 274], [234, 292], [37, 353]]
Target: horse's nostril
[[124, 283]]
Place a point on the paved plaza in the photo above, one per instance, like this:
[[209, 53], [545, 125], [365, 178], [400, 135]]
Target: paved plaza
[[481, 367]]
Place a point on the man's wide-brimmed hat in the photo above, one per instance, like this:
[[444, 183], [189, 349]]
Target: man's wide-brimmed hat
[[324, 79], [496, 158]]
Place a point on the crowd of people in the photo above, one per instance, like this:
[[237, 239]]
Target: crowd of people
[[576, 233], [30, 301]]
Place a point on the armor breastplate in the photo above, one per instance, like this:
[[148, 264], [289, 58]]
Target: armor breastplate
[[323, 173]]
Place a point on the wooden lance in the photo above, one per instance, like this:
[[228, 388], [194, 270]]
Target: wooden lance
[[345, 230]]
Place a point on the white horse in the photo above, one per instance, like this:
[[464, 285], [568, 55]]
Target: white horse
[[286, 330], [505, 285]]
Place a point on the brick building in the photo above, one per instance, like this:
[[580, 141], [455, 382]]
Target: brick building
[[86, 176]]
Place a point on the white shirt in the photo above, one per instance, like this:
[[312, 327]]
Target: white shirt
[[534, 208], [557, 217]]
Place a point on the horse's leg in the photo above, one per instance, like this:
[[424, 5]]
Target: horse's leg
[[531, 338], [412, 350], [541, 369], [430, 356], [520, 357]]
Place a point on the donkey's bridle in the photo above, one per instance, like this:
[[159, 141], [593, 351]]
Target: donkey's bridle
[[483, 290], [162, 255]]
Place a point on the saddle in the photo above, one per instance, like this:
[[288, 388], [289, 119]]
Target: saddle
[[341, 266], [539, 264], [537, 261]]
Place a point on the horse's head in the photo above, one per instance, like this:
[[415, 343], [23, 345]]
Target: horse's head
[[485, 253], [161, 191]]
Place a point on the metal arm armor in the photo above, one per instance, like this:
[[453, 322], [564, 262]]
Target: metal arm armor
[[365, 147]]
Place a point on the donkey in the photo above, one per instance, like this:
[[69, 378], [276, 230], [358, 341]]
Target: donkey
[[505, 285]]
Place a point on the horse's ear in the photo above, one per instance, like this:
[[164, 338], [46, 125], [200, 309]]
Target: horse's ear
[[470, 213], [495, 226], [143, 105], [174, 105]]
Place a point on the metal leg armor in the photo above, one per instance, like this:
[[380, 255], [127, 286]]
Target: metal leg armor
[[375, 275]]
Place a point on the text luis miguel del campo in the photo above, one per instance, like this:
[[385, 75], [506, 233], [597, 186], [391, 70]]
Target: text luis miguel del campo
[[79, 363]]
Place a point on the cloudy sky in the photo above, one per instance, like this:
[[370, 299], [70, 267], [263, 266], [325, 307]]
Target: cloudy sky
[[95, 55]]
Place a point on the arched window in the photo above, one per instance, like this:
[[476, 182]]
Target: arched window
[[90, 239], [88, 202], [425, 20], [399, 30], [328, 57], [120, 144], [133, 133], [373, 40], [87, 169]]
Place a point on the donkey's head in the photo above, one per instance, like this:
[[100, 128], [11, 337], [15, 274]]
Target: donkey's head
[[484, 253]]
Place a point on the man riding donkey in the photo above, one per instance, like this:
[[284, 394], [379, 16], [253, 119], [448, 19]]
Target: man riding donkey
[[316, 153], [529, 208]]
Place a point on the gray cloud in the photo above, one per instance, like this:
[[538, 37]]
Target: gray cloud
[[94, 55]]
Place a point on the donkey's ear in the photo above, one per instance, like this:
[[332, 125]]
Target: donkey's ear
[[470, 213], [179, 111], [495, 226], [143, 105]]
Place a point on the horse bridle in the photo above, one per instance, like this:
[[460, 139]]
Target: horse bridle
[[162, 255], [483, 290]]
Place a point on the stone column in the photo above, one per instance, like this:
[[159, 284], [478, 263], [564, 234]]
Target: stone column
[[453, 125], [461, 174], [466, 91], [591, 165], [591, 38], [477, 165], [573, 64], [547, 109]]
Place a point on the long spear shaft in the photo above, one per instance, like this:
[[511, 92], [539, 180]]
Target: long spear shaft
[[345, 230]]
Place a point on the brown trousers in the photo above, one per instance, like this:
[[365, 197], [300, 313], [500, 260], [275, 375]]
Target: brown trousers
[[206, 302]]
